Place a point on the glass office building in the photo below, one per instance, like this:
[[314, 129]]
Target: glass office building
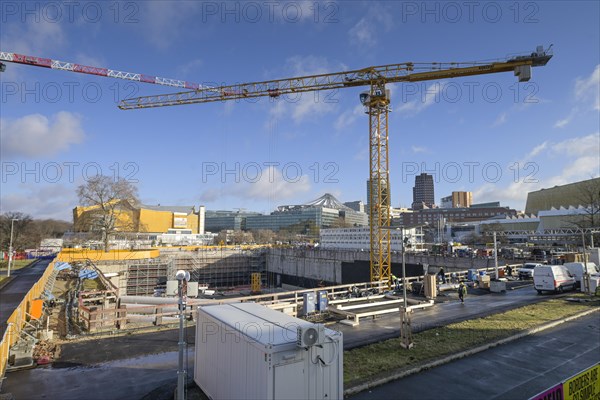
[[323, 212]]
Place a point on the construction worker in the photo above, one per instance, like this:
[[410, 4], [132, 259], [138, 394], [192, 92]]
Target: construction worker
[[454, 277], [396, 282], [442, 275], [462, 291]]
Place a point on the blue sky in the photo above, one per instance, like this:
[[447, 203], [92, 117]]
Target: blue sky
[[484, 134]]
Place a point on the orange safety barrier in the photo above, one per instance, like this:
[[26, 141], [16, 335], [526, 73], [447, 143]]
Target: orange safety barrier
[[36, 308], [71, 255], [17, 319]]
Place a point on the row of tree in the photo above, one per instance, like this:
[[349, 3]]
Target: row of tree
[[28, 232]]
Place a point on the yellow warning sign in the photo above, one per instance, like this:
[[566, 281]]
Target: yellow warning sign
[[583, 386]]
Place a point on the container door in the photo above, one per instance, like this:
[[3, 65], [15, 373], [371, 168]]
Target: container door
[[289, 382]]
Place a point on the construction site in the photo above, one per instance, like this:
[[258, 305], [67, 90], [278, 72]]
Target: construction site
[[83, 298]]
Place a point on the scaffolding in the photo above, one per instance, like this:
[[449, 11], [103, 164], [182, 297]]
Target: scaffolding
[[219, 268], [145, 276]]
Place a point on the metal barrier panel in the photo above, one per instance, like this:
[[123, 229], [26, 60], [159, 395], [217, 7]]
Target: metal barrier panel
[[16, 321]]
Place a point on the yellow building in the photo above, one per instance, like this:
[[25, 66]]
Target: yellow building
[[142, 218], [570, 195], [458, 200]]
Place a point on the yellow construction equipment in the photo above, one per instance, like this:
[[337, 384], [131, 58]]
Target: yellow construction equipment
[[255, 283], [377, 105]]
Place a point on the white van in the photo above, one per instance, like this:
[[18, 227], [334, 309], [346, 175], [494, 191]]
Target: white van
[[552, 278], [577, 269]]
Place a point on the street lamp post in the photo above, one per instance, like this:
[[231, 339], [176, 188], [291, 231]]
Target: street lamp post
[[404, 271], [405, 328], [10, 248], [495, 256], [183, 277]]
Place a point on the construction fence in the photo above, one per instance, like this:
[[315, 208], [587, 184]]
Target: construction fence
[[18, 319]]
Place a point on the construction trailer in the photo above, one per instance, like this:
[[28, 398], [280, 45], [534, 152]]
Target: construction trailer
[[248, 351]]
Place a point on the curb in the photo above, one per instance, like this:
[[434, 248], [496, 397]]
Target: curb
[[6, 282], [13, 277], [444, 360]]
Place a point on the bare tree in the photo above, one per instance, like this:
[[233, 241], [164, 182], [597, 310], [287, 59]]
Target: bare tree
[[19, 229], [264, 236], [241, 237], [487, 231], [589, 198], [106, 198]]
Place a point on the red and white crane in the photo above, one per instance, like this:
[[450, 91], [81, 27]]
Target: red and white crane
[[86, 69]]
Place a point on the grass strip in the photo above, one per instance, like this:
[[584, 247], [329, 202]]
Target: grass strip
[[375, 360], [16, 264]]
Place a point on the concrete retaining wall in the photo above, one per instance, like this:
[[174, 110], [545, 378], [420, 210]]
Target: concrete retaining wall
[[326, 264]]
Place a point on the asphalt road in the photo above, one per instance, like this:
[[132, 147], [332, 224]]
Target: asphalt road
[[14, 292], [475, 306], [517, 370]]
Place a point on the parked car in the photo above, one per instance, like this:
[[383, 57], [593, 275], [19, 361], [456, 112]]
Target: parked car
[[553, 278], [540, 255], [526, 271]]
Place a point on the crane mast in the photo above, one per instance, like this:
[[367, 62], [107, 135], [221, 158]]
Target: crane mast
[[376, 102], [377, 106]]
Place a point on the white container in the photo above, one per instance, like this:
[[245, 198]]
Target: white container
[[248, 351], [594, 283]]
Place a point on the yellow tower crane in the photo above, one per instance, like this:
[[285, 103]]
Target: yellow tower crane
[[377, 106]]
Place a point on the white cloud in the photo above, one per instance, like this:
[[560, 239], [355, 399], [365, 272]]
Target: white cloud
[[307, 105], [588, 89], [419, 149], [162, 22], [362, 154], [365, 32], [431, 97], [502, 118], [270, 183], [41, 201], [561, 123], [91, 61], [190, 67], [587, 96], [33, 38], [36, 135], [348, 117], [537, 150], [306, 10], [579, 157], [210, 195], [513, 195], [579, 146], [41, 39]]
